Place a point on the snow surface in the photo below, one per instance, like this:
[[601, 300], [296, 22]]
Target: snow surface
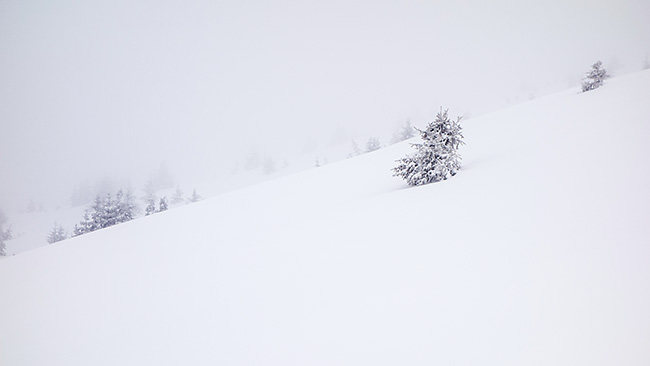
[[536, 253]]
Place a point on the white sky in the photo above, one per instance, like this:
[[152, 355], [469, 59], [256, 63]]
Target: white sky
[[90, 88]]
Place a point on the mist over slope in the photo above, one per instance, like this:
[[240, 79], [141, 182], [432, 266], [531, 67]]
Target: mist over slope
[[536, 253]]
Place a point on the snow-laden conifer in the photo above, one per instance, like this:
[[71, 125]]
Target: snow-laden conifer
[[106, 211], [595, 77], [178, 196], [437, 157], [85, 226], [97, 212], [151, 207], [373, 144], [356, 151], [110, 211], [57, 233], [194, 197], [162, 204], [124, 206], [129, 206]]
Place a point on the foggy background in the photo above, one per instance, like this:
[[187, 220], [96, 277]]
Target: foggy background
[[116, 88]]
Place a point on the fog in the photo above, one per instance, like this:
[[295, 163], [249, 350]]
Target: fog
[[115, 88]]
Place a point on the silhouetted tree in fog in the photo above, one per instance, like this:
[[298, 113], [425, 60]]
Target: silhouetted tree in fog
[[178, 196], [56, 234], [194, 197], [373, 144]]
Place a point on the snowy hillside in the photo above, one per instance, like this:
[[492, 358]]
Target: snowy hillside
[[536, 253], [31, 229]]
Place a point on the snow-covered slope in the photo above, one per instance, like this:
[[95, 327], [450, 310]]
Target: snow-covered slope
[[31, 229], [537, 253]]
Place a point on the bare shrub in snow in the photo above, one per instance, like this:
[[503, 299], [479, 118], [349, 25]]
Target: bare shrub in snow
[[595, 77], [437, 156]]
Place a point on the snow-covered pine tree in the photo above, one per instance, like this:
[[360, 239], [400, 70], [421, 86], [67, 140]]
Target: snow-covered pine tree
[[86, 225], [194, 197], [119, 206], [355, 149], [97, 212], [373, 144], [178, 196], [151, 207], [437, 156], [149, 190], [111, 211], [7, 234], [57, 234], [595, 77], [106, 212], [407, 130], [77, 230], [162, 205], [126, 206]]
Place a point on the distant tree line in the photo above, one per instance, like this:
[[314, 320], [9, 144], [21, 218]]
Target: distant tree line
[[107, 211]]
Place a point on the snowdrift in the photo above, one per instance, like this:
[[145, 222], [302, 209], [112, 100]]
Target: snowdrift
[[536, 253]]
